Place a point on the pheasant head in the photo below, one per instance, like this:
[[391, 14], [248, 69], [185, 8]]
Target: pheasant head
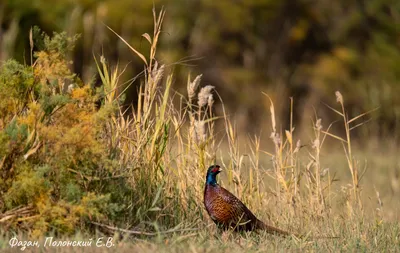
[[212, 172]]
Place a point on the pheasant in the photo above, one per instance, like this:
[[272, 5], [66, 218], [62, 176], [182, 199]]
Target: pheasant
[[227, 211]]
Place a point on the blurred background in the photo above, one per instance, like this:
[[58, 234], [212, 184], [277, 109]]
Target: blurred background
[[305, 49]]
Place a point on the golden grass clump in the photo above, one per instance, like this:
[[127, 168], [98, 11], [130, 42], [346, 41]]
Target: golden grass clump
[[168, 148]]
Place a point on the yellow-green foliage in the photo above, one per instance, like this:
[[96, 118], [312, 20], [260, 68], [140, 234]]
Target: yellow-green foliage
[[52, 154]]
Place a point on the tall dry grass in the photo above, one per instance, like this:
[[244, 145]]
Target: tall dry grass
[[169, 139]]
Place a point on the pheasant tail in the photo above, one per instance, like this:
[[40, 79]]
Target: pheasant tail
[[269, 229]]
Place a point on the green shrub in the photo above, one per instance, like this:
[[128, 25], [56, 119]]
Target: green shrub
[[52, 151]]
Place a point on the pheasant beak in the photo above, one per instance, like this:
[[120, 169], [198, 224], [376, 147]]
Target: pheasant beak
[[215, 169]]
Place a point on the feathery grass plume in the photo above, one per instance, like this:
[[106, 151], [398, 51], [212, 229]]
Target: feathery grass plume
[[316, 144], [204, 95], [198, 127], [318, 124], [157, 72], [276, 138], [210, 101], [199, 133], [339, 97], [192, 87], [298, 146]]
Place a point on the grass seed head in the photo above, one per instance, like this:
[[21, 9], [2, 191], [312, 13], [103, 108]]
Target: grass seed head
[[339, 97], [210, 101], [204, 95], [192, 87]]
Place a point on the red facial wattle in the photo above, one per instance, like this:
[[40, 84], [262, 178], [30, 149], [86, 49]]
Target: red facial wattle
[[215, 170]]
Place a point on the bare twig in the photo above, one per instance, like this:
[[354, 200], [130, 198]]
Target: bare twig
[[135, 232]]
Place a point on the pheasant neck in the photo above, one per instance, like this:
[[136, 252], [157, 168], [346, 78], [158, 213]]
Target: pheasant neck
[[211, 179]]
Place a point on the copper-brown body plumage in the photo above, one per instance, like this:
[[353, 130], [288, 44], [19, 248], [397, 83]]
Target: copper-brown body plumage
[[227, 211]]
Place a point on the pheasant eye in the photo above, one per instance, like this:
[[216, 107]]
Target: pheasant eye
[[215, 170]]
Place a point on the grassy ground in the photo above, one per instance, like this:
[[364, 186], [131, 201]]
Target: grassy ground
[[354, 236], [373, 229]]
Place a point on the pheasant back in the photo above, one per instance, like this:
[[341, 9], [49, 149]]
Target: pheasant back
[[227, 211]]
